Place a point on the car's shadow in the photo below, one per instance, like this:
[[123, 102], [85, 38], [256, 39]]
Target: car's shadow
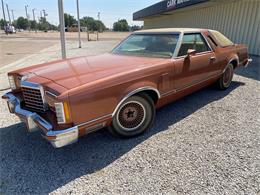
[[30, 164]]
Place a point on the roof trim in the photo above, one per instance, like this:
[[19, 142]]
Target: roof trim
[[170, 30], [164, 6]]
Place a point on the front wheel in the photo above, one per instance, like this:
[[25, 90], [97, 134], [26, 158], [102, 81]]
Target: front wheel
[[133, 117], [226, 78]]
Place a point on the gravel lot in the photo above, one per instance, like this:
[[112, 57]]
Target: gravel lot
[[205, 143]]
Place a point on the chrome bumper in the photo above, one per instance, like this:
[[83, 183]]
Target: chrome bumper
[[248, 62], [34, 122]]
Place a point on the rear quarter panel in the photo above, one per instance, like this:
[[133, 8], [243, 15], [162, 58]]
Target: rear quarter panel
[[242, 52], [225, 55]]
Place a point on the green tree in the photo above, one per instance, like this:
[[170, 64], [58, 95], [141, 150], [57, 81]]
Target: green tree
[[100, 26], [92, 24], [33, 24], [69, 20], [87, 22], [2, 24], [43, 24], [121, 25], [22, 23], [53, 27], [135, 28]]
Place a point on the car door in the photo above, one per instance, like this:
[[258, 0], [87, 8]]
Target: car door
[[193, 69]]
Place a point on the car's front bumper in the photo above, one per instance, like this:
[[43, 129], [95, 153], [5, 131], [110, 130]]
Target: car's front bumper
[[34, 122]]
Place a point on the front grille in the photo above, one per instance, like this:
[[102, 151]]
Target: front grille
[[33, 99]]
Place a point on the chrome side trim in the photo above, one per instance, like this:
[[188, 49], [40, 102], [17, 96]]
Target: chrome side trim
[[178, 46], [169, 92], [197, 54], [230, 62], [50, 94], [134, 92], [249, 60], [94, 120], [188, 86]]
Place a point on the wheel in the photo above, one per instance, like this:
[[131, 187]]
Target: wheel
[[226, 78], [133, 117]]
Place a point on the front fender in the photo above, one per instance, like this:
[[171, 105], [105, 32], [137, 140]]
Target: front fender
[[136, 88]]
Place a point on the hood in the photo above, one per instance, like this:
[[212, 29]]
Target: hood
[[75, 72]]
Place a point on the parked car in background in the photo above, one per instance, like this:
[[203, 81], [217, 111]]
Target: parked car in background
[[10, 29], [121, 90]]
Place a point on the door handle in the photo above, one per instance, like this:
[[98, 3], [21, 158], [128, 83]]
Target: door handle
[[213, 58]]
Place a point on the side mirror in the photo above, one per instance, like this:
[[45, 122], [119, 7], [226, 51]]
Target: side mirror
[[191, 52]]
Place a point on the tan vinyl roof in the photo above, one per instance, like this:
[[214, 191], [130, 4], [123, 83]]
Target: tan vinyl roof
[[169, 30]]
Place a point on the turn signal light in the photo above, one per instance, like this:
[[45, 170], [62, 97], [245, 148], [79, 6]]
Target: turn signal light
[[62, 112]]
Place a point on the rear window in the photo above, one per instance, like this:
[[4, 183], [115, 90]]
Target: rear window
[[223, 41]]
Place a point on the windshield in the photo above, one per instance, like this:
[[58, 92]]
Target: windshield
[[148, 45]]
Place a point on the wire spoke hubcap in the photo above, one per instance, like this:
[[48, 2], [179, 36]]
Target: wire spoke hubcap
[[131, 116], [227, 76]]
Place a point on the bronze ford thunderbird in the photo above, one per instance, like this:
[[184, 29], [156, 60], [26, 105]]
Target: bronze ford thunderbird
[[121, 90]]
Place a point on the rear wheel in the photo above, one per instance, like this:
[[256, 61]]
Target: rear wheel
[[226, 78], [133, 117]]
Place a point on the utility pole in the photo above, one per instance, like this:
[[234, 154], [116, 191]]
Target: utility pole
[[26, 13], [27, 16], [78, 23], [62, 29], [12, 14], [98, 15], [34, 20], [3, 8], [44, 14], [10, 22]]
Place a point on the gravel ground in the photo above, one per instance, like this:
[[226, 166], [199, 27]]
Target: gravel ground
[[205, 143]]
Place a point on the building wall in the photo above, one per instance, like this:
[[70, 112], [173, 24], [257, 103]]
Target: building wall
[[239, 20]]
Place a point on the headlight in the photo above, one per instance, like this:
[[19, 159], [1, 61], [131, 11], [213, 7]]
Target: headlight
[[62, 112], [12, 82]]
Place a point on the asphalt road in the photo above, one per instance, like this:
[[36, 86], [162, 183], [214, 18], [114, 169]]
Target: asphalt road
[[205, 143], [14, 47]]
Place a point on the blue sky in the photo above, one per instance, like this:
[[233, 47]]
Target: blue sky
[[111, 10]]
